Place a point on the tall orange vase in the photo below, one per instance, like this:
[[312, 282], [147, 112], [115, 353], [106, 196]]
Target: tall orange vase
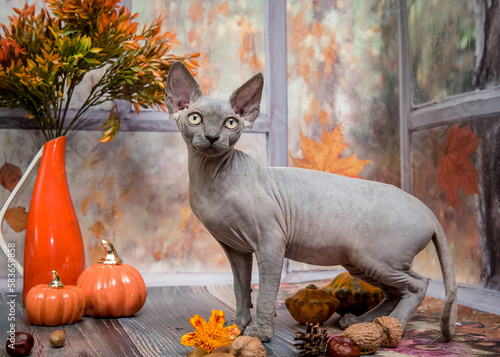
[[53, 237]]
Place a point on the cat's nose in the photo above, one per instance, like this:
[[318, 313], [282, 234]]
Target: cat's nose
[[212, 138]]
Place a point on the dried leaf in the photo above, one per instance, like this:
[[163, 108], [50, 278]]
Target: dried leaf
[[325, 156], [17, 218], [10, 176], [98, 229], [455, 169]]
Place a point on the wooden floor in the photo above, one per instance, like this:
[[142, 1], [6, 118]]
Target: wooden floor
[[156, 329]]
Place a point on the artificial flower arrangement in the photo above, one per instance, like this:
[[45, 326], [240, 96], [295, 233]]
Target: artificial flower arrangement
[[45, 56]]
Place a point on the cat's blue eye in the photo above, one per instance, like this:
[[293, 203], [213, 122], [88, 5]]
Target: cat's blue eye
[[194, 118], [231, 123]]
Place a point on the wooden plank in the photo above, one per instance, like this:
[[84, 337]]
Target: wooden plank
[[157, 328], [88, 337], [164, 319], [167, 311]]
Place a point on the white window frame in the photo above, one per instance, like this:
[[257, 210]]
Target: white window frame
[[457, 108]]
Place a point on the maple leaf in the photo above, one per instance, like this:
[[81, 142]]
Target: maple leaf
[[455, 169], [325, 156]]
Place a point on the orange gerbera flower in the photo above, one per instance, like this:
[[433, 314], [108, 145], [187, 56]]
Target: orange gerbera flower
[[211, 335]]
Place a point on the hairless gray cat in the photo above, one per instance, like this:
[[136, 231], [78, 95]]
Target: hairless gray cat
[[373, 230]]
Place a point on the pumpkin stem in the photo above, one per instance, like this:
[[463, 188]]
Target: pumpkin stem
[[56, 281], [110, 257]]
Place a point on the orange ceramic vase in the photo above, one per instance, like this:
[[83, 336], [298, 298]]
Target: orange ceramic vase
[[53, 236]]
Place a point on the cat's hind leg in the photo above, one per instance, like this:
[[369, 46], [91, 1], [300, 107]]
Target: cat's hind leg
[[412, 296], [404, 291], [241, 266], [384, 308]]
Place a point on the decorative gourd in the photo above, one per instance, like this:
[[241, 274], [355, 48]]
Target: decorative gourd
[[55, 304], [355, 296], [311, 305], [112, 288]]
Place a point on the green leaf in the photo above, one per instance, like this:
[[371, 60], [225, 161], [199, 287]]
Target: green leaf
[[61, 49], [91, 60], [70, 32]]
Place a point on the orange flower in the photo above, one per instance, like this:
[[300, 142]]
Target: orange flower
[[211, 335]]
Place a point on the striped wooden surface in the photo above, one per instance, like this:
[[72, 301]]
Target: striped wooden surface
[[156, 329]]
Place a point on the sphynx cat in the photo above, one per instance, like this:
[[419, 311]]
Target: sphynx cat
[[373, 230]]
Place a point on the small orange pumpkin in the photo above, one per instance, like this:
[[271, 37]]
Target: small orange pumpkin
[[311, 305], [112, 288], [355, 296], [55, 304]]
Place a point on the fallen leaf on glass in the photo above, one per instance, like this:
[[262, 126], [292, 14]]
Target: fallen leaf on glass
[[455, 169], [325, 156]]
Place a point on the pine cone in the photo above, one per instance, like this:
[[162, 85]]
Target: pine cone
[[314, 340]]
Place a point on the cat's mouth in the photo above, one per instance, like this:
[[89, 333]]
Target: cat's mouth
[[208, 149], [210, 146]]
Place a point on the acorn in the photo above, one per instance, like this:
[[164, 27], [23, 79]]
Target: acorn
[[57, 338]]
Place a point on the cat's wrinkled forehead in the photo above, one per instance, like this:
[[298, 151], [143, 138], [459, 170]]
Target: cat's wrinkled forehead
[[209, 106]]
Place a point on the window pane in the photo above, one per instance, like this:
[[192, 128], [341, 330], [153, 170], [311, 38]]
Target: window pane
[[7, 6], [132, 192], [228, 34], [464, 211], [442, 46], [343, 68]]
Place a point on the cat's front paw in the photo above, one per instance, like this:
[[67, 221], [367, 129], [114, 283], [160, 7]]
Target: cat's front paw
[[243, 321], [348, 320], [263, 332]]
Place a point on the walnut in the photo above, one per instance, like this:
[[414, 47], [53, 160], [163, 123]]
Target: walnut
[[222, 349], [197, 353], [366, 335], [392, 329], [247, 346]]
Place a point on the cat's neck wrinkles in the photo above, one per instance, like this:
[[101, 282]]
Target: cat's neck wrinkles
[[203, 168]]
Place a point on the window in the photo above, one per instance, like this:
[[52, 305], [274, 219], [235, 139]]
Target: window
[[441, 84], [395, 75]]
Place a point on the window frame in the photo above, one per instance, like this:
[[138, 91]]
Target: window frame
[[453, 109]]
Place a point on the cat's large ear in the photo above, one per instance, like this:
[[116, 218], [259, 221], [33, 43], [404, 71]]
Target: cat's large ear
[[246, 99], [182, 89]]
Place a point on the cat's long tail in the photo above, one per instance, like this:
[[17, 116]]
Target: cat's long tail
[[449, 312]]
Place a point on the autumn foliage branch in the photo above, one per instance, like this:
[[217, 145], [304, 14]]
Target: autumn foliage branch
[[45, 56]]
